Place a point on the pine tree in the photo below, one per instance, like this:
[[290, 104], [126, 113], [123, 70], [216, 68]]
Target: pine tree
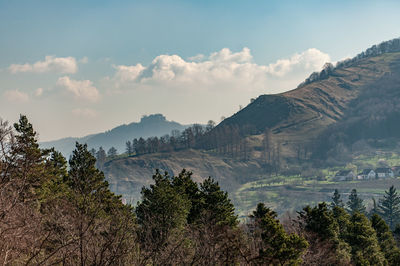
[[184, 185], [390, 207], [129, 147], [386, 240], [112, 152], [319, 220], [100, 158], [261, 211], [277, 247], [217, 203], [29, 157], [355, 204], [336, 201], [161, 214], [363, 241], [101, 218], [83, 177]]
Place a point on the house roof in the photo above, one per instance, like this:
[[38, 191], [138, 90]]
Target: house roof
[[383, 170], [343, 172], [366, 171]]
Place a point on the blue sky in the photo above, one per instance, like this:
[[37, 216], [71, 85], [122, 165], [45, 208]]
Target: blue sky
[[110, 62]]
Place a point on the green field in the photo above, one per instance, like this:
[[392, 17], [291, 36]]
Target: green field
[[293, 194]]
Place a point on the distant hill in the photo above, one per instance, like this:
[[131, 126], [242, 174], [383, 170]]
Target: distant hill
[[326, 121], [149, 126]]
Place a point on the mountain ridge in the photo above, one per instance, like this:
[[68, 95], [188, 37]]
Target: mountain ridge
[[149, 126]]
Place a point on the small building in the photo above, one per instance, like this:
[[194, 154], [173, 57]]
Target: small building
[[344, 175], [384, 172], [367, 174]]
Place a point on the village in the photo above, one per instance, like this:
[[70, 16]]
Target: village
[[368, 174]]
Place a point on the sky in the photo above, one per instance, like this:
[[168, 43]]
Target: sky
[[81, 67]]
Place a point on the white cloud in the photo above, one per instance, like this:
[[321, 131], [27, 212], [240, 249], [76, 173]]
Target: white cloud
[[84, 112], [311, 60], [221, 70], [64, 65], [39, 92], [16, 96], [197, 58], [83, 90]]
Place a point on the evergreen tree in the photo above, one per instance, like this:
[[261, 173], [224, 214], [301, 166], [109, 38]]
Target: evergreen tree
[[355, 204], [261, 211], [161, 214], [319, 220], [100, 158], [390, 207], [277, 247], [363, 241], [386, 240], [343, 219], [83, 176], [112, 152], [328, 228], [29, 158], [336, 200], [216, 202], [129, 147], [101, 217], [184, 184], [396, 234]]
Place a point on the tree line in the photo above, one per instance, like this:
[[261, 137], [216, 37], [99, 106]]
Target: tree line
[[226, 140], [54, 212]]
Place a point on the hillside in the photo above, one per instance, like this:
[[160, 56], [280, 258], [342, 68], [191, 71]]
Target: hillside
[[326, 121], [149, 126], [127, 176], [299, 116]]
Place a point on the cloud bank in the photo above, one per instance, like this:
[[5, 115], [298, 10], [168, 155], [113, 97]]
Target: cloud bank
[[63, 65], [16, 96], [81, 90], [219, 70]]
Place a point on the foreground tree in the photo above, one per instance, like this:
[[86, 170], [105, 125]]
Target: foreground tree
[[101, 227], [324, 230], [364, 244], [162, 217], [390, 207], [217, 203], [274, 245], [386, 240]]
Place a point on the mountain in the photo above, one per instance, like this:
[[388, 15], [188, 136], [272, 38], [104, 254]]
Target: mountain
[[149, 126], [327, 121], [334, 95]]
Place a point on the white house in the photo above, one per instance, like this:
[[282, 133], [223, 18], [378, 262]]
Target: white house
[[367, 174], [344, 175], [384, 172]]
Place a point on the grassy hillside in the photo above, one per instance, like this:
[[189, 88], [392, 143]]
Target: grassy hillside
[[127, 175], [301, 115], [346, 115]]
